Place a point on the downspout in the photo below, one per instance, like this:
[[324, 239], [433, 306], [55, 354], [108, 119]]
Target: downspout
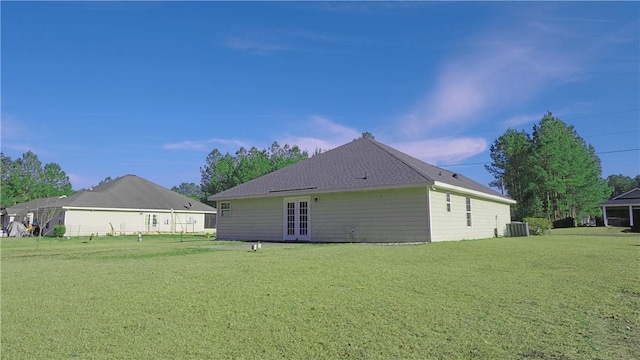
[[173, 223]]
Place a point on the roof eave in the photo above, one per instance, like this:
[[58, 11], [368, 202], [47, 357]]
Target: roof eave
[[464, 190], [139, 210]]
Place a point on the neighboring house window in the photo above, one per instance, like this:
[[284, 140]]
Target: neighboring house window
[[469, 212], [448, 202], [209, 221], [225, 209]]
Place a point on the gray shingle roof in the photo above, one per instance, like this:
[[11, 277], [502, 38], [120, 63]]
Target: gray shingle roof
[[29, 206], [631, 197], [360, 164], [129, 192]]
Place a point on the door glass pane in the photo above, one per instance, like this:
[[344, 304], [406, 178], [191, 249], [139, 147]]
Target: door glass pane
[[304, 217], [291, 218]]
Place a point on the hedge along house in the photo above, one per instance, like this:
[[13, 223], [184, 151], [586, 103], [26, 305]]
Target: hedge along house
[[125, 205], [363, 191], [622, 210]]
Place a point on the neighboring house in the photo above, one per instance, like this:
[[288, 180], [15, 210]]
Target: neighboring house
[[622, 210], [24, 212], [363, 191], [126, 205]]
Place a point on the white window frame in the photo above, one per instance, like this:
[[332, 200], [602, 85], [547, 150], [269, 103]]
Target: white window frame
[[225, 209], [468, 201], [448, 195]]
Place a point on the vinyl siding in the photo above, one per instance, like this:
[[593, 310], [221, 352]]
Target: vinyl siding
[[485, 215], [86, 222], [252, 220], [398, 215]]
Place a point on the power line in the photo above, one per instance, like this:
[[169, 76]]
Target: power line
[[488, 162], [616, 151]]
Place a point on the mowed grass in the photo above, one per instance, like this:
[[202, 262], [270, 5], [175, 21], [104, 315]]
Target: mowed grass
[[574, 294]]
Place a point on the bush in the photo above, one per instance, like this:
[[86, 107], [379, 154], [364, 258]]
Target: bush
[[59, 230], [538, 226]]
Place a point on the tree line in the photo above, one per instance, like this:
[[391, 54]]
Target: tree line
[[222, 172], [552, 173], [25, 179]]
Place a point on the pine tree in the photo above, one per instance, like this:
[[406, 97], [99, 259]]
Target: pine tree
[[553, 173]]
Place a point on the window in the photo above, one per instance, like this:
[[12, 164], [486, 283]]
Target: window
[[469, 212], [209, 221], [225, 209], [448, 202]]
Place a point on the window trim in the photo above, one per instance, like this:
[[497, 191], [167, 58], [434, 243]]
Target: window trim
[[225, 212], [448, 198]]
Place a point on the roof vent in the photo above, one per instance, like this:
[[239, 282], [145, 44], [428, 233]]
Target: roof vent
[[455, 175]]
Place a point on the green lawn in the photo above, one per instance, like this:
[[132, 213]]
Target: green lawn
[[574, 294]]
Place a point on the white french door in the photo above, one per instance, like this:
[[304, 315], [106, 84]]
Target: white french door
[[297, 219], [150, 222]]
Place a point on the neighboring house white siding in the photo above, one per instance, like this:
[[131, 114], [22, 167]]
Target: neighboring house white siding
[[486, 215], [86, 222], [397, 215], [251, 220]]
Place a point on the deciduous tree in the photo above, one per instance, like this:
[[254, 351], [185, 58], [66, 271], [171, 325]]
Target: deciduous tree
[[620, 184], [25, 179], [190, 190], [222, 172]]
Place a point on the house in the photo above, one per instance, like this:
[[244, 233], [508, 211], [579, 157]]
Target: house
[[24, 212], [622, 210], [363, 191], [125, 205]]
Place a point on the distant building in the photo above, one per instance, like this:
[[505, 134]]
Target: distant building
[[126, 205], [622, 210]]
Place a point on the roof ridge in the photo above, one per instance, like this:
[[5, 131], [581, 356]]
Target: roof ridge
[[381, 146]]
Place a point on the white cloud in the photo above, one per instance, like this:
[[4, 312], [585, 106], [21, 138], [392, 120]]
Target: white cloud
[[522, 119], [253, 45], [326, 135], [447, 150], [199, 145], [496, 71]]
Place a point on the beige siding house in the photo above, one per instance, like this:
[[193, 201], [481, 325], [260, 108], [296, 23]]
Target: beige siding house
[[126, 205], [363, 191]]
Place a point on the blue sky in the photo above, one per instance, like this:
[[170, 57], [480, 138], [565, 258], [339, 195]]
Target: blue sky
[[150, 88]]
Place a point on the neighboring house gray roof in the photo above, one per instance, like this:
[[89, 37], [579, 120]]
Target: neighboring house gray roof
[[30, 206], [361, 164], [631, 197], [128, 192]]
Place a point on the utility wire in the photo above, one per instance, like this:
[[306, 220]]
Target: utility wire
[[488, 162]]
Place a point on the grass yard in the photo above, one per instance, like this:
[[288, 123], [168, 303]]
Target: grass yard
[[574, 294]]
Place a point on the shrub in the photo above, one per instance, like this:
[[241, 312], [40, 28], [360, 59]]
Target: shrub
[[59, 230], [538, 226]]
